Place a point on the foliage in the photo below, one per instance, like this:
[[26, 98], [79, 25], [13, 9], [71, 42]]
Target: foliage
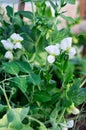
[[38, 94]]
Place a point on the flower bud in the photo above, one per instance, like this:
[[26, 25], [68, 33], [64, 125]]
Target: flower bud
[[51, 59], [73, 110], [9, 55]]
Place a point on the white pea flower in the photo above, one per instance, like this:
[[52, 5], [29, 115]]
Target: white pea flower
[[7, 44], [53, 49], [18, 45], [73, 109], [72, 52], [68, 124], [9, 55], [16, 37], [66, 44], [51, 59], [64, 128]]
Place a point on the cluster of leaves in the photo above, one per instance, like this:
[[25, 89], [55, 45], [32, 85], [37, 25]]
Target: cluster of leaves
[[37, 94]]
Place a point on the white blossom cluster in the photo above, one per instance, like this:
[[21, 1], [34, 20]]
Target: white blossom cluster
[[14, 42], [55, 50]]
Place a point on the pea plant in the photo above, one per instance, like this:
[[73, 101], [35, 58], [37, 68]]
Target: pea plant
[[39, 89]]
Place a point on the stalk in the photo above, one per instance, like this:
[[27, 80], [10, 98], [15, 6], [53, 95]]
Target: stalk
[[5, 95]]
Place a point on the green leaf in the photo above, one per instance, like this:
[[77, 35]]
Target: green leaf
[[68, 19], [1, 68], [57, 36], [27, 127], [53, 117], [80, 96], [77, 94], [4, 121], [74, 88], [69, 74], [20, 82], [70, 1], [3, 107], [42, 127], [24, 67], [14, 119], [48, 12], [42, 96], [18, 21], [11, 115], [5, 128], [26, 14], [9, 11], [52, 4], [24, 113], [34, 79], [11, 68], [56, 128], [16, 66]]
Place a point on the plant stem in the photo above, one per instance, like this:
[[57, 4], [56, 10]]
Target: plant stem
[[39, 122], [59, 120], [5, 97], [18, 76], [33, 11], [36, 48], [83, 83], [36, 44]]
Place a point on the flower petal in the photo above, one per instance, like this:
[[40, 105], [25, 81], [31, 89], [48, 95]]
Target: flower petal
[[73, 109], [7, 44], [70, 124], [16, 37], [53, 50], [66, 43], [51, 59], [64, 128], [18, 45], [8, 55], [72, 52], [50, 49]]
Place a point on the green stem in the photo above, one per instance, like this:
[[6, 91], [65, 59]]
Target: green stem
[[18, 76], [36, 47], [5, 97], [33, 11], [36, 44], [83, 83], [3, 81], [13, 14], [61, 116], [39, 122]]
